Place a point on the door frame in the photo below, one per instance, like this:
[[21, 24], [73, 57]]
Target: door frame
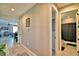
[[56, 29]]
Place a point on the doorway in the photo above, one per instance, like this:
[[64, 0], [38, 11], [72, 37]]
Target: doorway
[[15, 32], [53, 30], [68, 33], [8, 28]]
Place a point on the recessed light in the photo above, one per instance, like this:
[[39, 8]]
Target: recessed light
[[12, 9]]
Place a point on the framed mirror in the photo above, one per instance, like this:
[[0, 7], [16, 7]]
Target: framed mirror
[[28, 22]]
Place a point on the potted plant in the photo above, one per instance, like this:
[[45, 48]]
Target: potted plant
[[2, 50]]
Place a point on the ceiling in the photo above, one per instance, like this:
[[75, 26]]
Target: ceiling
[[20, 8], [61, 5]]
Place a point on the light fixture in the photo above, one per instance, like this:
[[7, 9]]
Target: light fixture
[[12, 9]]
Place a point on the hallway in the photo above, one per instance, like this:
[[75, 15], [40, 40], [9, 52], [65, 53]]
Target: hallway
[[34, 28]]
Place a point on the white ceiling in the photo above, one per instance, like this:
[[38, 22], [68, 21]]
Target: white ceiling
[[7, 16], [20, 8]]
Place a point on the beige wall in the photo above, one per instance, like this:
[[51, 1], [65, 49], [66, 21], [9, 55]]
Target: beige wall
[[69, 20], [37, 37]]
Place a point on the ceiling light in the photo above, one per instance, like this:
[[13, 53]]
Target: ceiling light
[[12, 9]]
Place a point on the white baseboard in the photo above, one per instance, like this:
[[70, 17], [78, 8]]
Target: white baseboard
[[29, 52]]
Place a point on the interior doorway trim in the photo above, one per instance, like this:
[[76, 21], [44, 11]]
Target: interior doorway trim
[[50, 29]]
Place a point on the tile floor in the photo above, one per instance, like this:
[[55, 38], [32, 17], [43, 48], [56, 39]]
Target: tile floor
[[17, 50], [69, 51]]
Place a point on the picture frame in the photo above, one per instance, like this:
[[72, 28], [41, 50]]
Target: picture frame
[[28, 22]]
